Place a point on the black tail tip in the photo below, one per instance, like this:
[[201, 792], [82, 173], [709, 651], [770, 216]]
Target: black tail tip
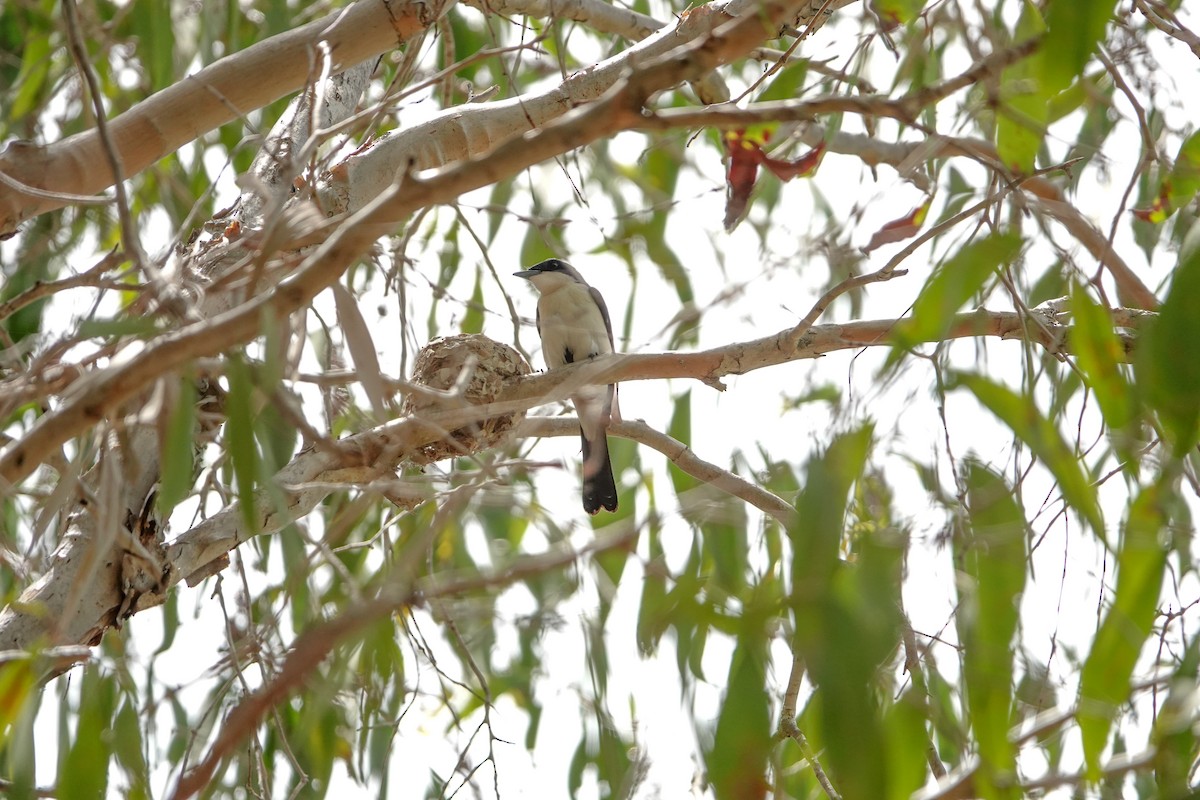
[[592, 504], [599, 492]]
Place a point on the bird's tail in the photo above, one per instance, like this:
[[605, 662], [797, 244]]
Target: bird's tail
[[599, 488]]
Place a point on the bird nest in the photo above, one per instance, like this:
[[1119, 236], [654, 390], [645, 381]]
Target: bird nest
[[470, 368]]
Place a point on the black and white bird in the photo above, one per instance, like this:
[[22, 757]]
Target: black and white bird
[[573, 322]]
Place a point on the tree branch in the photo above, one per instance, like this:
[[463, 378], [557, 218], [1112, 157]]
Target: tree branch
[[102, 393], [1047, 195], [403, 589], [370, 454], [679, 454], [116, 385], [226, 89]]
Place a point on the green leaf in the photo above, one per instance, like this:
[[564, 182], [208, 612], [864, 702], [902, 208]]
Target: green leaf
[[1141, 565], [1023, 109], [170, 617], [1074, 28], [178, 448], [1099, 354], [1184, 180], [1166, 370], [156, 45], [502, 193], [817, 539], [1174, 737], [1175, 191], [1020, 413], [950, 286], [680, 429], [897, 12], [31, 81], [361, 345], [239, 436], [575, 770], [18, 760], [786, 83], [83, 772], [1098, 123], [122, 326], [907, 741], [652, 611], [473, 320], [127, 743], [737, 763], [992, 552], [17, 679], [847, 617], [276, 436]]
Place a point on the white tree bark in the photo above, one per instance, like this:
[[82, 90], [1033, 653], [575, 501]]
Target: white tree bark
[[91, 579], [38, 178]]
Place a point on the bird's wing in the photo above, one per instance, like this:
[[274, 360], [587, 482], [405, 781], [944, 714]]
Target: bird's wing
[[604, 313]]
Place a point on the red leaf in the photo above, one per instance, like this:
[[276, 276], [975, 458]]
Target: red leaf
[[1157, 212], [744, 156], [745, 147], [804, 165], [900, 229]]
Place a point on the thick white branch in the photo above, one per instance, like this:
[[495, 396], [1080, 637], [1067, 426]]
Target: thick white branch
[[221, 92]]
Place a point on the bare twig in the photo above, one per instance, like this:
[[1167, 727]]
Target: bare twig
[[617, 111], [681, 455], [789, 729], [94, 277], [405, 588], [1161, 17], [129, 233]]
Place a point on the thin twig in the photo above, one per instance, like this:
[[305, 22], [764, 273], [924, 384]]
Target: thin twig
[[789, 729], [132, 244], [680, 455], [91, 277]]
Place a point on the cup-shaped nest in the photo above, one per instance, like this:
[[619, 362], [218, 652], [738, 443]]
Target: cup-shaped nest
[[475, 368]]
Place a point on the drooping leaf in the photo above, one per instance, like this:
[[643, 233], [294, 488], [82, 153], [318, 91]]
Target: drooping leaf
[[950, 286], [472, 321], [127, 745], [1179, 186], [1167, 373], [1073, 29], [652, 610], [847, 618], [907, 744], [746, 153], [1100, 354], [1175, 741], [822, 511], [991, 549], [156, 40], [740, 175], [1141, 566], [17, 679], [178, 448], [900, 229], [83, 772], [786, 83], [239, 436], [737, 763], [1021, 414], [893, 13], [362, 349], [1023, 110]]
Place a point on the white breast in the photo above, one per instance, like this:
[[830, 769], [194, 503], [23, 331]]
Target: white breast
[[569, 320]]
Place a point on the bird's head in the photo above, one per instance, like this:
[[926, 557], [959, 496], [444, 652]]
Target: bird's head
[[551, 274]]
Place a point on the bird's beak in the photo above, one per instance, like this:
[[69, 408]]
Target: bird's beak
[[525, 273]]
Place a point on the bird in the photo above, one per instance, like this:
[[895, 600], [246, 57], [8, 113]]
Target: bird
[[573, 322]]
